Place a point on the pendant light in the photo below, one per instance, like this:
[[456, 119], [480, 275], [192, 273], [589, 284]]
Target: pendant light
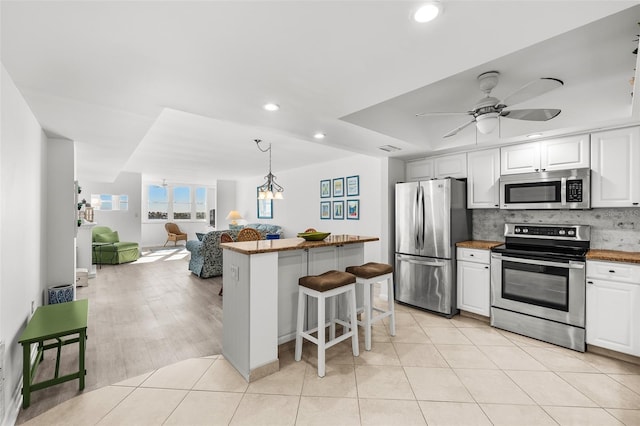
[[269, 190]]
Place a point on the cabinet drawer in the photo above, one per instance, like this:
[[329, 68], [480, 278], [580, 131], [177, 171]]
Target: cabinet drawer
[[474, 255], [614, 271]]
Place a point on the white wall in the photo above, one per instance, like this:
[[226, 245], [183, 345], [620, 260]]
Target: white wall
[[226, 201], [300, 208], [61, 213], [23, 212]]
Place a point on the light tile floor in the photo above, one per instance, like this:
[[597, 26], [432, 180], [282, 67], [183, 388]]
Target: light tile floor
[[435, 371]]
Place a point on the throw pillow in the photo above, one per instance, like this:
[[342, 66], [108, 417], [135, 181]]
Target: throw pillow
[[107, 237], [200, 236]]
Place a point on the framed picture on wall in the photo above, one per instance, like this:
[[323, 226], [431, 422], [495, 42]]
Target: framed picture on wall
[[338, 187], [325, 210], [265, 208], [353, 186], [325, 188], [338, 210], [353, 209]]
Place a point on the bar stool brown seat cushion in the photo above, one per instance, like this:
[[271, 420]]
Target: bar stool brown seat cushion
[[370, 270], [327, 281]]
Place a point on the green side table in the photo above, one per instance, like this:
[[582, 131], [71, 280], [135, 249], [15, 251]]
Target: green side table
[[53, 322]]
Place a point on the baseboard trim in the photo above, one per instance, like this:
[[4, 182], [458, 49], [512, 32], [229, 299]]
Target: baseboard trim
[[613, 354], [13, 409], [264, 370], [475, 316]]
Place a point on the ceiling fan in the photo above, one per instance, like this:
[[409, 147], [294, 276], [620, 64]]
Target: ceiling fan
[[486, 111]]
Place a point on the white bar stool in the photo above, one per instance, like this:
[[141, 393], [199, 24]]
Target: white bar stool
[[322, 287], [367, 275]]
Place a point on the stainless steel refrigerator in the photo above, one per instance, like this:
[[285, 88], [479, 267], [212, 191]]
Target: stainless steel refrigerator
[[431, 217]]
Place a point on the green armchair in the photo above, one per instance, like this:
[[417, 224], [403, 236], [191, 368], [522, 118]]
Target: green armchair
[[108, 249]]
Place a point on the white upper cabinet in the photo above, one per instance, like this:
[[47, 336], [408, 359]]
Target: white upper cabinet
[[615, 168], [522, 158], [454, 166], [555, 154], [483, 179], [565, 153], [420, 170]]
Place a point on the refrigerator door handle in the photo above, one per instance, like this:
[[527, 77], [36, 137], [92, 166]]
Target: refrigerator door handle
[[421, 217], [416, 231], [435, 264]]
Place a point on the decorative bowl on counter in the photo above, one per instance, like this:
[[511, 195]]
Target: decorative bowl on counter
[[314, 236]]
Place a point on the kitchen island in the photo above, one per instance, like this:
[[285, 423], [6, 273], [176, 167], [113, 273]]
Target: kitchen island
[[260, 280]]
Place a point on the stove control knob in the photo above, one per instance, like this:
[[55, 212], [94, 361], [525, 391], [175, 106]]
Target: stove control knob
[[561, 232], [525, 230], [571, 232], [517, 230]]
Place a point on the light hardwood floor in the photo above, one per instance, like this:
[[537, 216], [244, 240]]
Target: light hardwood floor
[[142, 316]]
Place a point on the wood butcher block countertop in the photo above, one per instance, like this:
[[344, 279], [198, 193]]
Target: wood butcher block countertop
[[479, 244], [614, 256], [268, 246]]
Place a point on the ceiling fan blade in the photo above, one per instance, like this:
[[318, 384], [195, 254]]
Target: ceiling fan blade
[[541, 114], [457, 129], [531, 90], [426, 114]]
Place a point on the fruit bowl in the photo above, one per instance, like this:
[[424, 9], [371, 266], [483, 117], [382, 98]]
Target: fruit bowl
[[314, 236]]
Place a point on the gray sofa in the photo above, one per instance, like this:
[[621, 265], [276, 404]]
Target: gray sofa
[[206, 254]]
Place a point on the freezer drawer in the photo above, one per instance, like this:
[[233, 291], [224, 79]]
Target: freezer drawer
[[426, 282]]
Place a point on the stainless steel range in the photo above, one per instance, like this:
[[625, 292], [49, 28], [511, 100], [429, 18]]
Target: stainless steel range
[[538, 282]]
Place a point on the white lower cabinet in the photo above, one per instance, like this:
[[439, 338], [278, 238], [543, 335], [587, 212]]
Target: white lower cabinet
[[473, 275], [613, 306]]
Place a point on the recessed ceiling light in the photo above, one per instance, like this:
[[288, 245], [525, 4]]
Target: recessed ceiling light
[[427, 12], [534, 135], [271, 107], [319, 135]]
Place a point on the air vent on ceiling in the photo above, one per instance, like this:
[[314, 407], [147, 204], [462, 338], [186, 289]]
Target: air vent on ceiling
[[389, 148]]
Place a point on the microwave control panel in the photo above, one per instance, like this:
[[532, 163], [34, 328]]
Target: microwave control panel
[[574, 191]]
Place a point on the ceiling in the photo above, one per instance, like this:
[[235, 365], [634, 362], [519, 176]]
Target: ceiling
[[174, 89]]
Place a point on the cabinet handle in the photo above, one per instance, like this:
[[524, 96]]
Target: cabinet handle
[[612, 271], [471, 254], [536, 170], [589, 282], [635, 204], [495, 205], [486, 267], [544, 170]]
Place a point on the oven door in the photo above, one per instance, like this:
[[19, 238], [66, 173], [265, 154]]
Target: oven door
[[550, 289]]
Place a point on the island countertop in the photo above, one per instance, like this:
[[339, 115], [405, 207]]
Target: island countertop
[[268, 246]]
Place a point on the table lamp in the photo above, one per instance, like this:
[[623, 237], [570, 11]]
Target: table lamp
[[233, 216]]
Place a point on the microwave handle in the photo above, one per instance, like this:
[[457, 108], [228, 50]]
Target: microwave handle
[[563, 191]]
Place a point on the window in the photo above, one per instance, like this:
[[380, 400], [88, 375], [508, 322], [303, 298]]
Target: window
[[180, 202], [124, 202], [201, 203], [107, 202], [158, 206]]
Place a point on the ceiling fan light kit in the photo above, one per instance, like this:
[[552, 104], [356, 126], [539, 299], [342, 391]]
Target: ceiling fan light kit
[[488, 110], [487, 123]]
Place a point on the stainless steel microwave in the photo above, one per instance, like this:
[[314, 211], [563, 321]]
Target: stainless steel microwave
[[558, 189]]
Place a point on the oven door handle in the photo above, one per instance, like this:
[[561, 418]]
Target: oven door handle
[[570, 265]]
